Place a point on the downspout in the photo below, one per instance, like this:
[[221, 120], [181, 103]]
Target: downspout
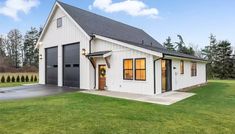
[[92, 38], [154, 72]]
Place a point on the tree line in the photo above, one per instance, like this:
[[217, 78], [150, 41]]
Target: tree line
[[18, 50], [219, 54]]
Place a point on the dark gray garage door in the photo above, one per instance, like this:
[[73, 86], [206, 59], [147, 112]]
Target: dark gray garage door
[[52, 65], [71, 65]]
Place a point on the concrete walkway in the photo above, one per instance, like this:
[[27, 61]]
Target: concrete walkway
[[163, 99]]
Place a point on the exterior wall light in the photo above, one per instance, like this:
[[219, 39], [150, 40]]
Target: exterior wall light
[[83, 51], [40, 56]]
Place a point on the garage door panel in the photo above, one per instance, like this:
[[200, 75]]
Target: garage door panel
[[71, 67]]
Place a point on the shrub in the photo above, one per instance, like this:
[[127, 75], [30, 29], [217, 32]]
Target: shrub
[[22, 78], [27, 78], [18, 78], [8, 79], [13, 79], [31, 79], [2, 79], [35, 79]]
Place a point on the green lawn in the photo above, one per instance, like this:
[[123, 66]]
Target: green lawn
[[211, 111], [14, 84]]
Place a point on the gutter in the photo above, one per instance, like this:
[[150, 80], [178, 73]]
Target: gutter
[[154, 72], [92, 38]]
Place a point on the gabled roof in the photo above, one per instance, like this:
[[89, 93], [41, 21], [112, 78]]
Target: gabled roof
[[94, 24]]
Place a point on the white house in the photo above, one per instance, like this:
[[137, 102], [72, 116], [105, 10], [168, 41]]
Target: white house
[[80, 49]]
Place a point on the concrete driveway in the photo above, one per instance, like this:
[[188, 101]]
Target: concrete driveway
[[23, 92]]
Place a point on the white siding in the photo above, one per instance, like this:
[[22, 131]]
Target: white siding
[[114, 79], [180, 81], [67, 34]]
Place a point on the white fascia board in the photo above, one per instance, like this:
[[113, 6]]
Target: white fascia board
[[49, 18], [129, 46], [182, 58]]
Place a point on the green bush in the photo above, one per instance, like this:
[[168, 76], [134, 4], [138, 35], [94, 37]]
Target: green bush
[[8, 79], [35, 79], [31, 79], [22, 78], [18, 78], [27, 78], [3, 79], [13, 79]]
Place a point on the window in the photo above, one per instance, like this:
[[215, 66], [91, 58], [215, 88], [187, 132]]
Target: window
[[59, 22], [128, 69], [181, 67], [140, 69], [194, 69]]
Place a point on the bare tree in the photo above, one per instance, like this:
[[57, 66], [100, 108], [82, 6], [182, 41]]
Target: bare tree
[[14, 46]]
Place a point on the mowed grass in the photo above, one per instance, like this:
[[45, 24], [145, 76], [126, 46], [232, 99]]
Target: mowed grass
[[211, 111]]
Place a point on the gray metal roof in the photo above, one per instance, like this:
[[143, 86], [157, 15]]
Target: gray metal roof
[[95, 24]]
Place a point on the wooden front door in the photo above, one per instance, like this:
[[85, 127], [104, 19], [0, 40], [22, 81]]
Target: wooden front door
[[102, 77]]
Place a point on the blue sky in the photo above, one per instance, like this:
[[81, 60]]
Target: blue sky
[[193, 19]]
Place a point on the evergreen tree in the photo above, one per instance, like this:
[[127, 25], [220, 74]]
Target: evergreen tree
[[14, 47], [180, 44], [224, 63], [233, 68], [182, 48], [30, 53], [210, 54], [168, 44]]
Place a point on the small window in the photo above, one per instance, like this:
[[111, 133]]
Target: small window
[[181, 67], [194, 69], [140, 69], [128, 69], [59, 22]]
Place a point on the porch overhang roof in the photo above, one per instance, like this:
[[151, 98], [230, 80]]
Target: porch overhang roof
[[100, 54]]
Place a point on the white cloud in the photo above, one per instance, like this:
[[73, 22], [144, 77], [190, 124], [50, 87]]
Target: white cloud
[[131, 7], [12, 8]]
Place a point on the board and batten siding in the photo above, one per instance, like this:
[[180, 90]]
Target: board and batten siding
[[180, 81], [57, 37], [114, 78]]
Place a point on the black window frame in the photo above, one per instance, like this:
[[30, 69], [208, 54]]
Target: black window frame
[[59, 20], [140, 69], [193, 69], [128, 69], [181, 66]]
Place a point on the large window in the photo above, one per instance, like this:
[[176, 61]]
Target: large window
[[194, 69], [128, 69], [140, 69], [181, 67]]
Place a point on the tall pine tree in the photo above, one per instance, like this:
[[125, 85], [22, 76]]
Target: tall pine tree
[[168, 44], [210, 54], [224, 63], [30, 40]]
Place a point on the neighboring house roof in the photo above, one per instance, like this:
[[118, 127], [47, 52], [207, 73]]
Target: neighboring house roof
[[95, 24]]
